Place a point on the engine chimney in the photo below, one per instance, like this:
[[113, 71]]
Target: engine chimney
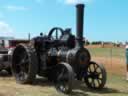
[[79, 24]]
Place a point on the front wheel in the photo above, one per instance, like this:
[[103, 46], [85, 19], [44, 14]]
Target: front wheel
[[64, 78], [95, 76]]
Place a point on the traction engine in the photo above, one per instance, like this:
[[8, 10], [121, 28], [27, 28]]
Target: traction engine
[[60, 56]]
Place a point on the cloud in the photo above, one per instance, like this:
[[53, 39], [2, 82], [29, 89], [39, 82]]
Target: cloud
[[73, 2], [5, 29], [16, 8]]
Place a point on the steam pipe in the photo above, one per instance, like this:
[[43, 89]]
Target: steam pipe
[[79, 24]]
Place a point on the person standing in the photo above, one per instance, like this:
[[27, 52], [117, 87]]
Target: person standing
[[126, 51]]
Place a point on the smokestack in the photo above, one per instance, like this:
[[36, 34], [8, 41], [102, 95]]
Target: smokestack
[[79, 24]]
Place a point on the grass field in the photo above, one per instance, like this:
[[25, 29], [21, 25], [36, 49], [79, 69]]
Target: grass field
[[108, 52], [116, 84]]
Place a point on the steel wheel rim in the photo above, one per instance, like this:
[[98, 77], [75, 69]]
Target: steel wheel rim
[[95, 76]]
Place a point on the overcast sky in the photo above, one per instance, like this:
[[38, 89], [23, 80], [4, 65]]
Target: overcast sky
[[105, 20]]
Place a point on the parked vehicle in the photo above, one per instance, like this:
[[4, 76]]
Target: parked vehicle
[[6, 50]]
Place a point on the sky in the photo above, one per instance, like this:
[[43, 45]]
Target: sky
[[104, 20]]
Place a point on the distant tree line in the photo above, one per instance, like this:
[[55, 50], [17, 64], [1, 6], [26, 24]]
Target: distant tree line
[[102, 43], [93, 42]]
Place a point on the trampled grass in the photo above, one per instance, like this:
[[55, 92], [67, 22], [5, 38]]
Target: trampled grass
[[116, 86]]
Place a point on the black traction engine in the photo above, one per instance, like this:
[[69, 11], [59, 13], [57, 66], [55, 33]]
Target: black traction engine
[[60, 56]]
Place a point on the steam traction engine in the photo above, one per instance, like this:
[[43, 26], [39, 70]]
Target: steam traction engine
[[59, 56]]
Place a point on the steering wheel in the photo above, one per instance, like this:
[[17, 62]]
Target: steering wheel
[[55, 33]]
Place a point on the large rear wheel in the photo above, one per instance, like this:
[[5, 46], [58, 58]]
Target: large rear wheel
[[24, 64]]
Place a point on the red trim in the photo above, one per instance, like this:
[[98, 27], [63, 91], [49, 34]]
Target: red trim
[[10, 47]]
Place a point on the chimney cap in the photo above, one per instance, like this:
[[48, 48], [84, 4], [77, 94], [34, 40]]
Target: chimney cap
[[80, 5]]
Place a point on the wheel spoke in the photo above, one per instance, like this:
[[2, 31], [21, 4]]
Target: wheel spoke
[[93, 82], [96, 67], [89, 69], [98, 82]]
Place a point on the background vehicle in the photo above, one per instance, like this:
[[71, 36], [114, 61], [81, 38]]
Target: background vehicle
[[6, 49]]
